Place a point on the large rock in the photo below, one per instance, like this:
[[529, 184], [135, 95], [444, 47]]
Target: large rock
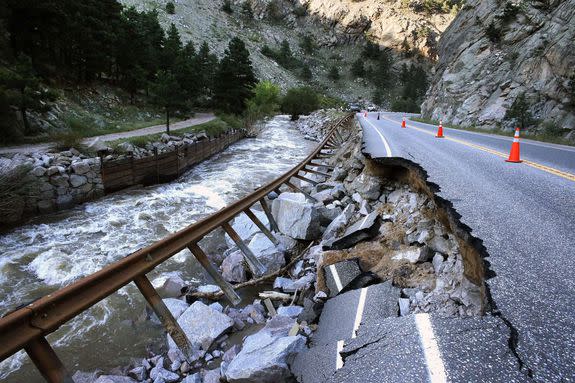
[[368, 186], [245, 227], [202, 325], [363, 229], [233, 267], [267, 253], [339, 223], [114, 379], [296, 217], [266, 355]]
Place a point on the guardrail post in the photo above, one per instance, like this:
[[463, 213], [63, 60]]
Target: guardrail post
[[261, 226], [207, 265], [305, 179], [165, 316], [293, 187], [271, 219], [254, 263], [47, 362]]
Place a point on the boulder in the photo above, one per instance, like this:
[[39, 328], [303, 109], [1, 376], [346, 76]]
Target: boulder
[[296, 217], [172, 287], [266, 355], [159, 372], [212, 376], [114, 379], [290, 311], [202, 325], [368, 186], [81, 167], [339, 223], [233, 267], [195, 378], [38, 171], [77, 180], [267, 253], [176, 306], [245, 227]]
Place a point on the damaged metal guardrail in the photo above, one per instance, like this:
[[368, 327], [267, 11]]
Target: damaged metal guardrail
[[27, 327]]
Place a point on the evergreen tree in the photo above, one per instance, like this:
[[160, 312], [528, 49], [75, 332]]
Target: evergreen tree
[[307, 44], [382, 72], [206, 64], [357, 68], [520, 111], [227, 7], [306, 73], [20, 87], [235, 78], [167, 94], [285, 55], [333, 73], [170, 8], [172, 48], [134, 80]]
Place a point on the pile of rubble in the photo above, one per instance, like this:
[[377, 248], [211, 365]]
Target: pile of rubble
[[387, 230]]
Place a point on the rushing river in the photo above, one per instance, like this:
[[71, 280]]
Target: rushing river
[[53, 251]]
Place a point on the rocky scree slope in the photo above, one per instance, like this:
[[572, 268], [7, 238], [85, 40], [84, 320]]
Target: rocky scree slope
[[531, 51], [339, 30]]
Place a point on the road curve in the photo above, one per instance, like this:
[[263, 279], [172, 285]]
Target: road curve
[[524, 214]]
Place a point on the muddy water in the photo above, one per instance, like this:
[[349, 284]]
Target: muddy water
[[55, 250]]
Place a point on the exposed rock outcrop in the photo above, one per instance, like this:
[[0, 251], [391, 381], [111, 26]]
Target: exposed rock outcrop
[[495, 51]]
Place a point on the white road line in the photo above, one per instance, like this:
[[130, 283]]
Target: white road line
[[387, 148], [338, 358], [359, 313], [336, 278], [435, 366]]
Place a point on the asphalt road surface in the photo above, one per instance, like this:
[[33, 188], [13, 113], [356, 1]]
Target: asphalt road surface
[[524, 214]]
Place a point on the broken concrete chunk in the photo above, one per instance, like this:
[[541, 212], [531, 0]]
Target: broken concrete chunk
[[363, 229], [267, 253], [290, 311]]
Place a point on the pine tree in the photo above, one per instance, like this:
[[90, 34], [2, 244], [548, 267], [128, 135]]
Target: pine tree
[[206, 64], [357, 68], [235, 78], [21, 88], [170, 8], [307, 44], [306, 73], [520, 111], [333, 73], [167, 93], [172, 48]]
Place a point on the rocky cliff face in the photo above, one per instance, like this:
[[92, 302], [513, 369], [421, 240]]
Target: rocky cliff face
[[493, 52], [389, 23]]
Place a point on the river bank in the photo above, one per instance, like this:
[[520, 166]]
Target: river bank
[[368, 216]]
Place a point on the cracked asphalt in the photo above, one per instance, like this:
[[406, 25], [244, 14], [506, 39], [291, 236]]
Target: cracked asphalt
[[525, 216]]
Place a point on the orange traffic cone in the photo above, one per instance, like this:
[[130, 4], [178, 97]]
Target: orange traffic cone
[[440, 131], [514, 155], [403, 125]]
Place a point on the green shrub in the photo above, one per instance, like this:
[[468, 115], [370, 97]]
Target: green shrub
[[407, 105], [300, 11], [520, 112], [299, 101], [306, 73], [493, 32], [170, 8], [67, 140], [333, 73], [227, 7], [307, 44]]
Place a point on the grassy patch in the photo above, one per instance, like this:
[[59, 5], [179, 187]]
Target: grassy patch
[[212, 128], [550, 132]]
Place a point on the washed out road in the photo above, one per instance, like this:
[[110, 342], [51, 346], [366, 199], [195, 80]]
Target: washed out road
[[198, 119], [525, 215]]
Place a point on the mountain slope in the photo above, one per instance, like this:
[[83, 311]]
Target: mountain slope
[[494, 52], [339, 30]]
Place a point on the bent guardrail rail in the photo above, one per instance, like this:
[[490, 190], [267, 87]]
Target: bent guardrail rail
[[27, 327]]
